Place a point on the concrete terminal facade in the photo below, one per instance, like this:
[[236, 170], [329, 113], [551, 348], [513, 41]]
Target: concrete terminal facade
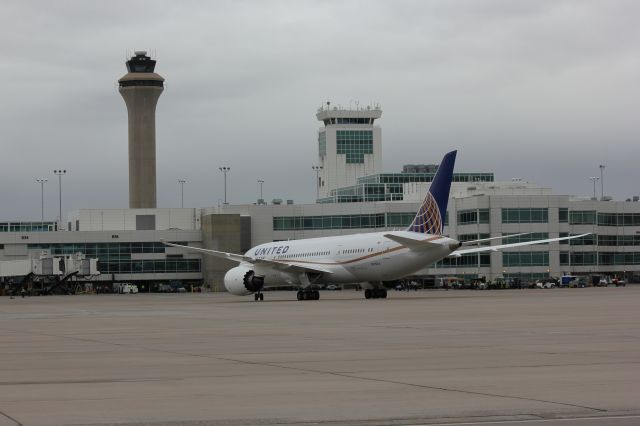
[[613, 249], [128, 241], [127, 244]]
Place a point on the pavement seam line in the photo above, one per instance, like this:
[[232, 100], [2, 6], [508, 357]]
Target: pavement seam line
[[468, 392], [11, 418], [421, 386]]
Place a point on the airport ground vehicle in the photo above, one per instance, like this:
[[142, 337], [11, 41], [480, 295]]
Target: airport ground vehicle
[[406, 285], [569, 281], [125, 288], [450, 282], [545, 284], [607, 281], [172, 287], [618, 283]]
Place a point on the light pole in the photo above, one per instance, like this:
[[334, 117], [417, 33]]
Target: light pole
[[225, 170], [594, 179], [601, 181], [260, 182], [182, 182], [317, 169], [59, 173], [42, 181]]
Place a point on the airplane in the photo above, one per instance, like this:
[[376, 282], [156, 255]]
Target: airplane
[[368, 259]]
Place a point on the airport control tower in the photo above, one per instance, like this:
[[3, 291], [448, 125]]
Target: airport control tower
[[349, 146], [141, 88]]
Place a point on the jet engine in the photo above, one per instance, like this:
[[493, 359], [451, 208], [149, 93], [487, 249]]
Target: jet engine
[[242, 281]]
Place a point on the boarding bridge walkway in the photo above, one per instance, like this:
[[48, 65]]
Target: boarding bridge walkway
[[47, 274]]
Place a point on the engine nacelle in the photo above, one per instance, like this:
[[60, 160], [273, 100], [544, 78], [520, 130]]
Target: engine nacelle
[[242, 281]]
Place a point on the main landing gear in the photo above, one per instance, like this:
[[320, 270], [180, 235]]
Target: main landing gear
[[258, 297], [308, 295], [375, 293]]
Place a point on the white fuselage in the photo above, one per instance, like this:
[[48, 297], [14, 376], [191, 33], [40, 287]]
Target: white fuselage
[[354, 258]]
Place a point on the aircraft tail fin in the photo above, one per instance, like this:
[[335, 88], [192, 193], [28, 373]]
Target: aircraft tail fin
[[430, 216]]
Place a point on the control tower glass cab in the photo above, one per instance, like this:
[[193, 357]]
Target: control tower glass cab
[[141, 87], [349, 146], [141, 62]]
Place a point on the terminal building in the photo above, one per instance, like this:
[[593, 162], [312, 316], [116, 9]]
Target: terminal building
[[128, 242], [353, 195]]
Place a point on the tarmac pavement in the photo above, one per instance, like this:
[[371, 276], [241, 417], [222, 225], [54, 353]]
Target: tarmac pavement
[[549, 357]]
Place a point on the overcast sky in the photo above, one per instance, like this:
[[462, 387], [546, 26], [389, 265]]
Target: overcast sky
[[541, 90]]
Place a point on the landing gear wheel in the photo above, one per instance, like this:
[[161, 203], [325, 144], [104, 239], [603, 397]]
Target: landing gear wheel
[[375, 293], [256, 297], [261, 297], [308, 295]]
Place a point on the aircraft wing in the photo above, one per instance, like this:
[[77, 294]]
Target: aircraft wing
[[460, 252], [215, 253], [287, 265], [482, 240], [276, 264]]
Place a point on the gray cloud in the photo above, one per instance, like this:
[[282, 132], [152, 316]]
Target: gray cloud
[[543, 90]]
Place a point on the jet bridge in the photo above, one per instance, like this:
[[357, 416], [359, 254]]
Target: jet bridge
[[47, 274]]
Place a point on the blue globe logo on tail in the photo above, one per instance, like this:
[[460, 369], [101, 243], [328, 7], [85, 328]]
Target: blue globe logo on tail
[[430, 216], [428, 220]]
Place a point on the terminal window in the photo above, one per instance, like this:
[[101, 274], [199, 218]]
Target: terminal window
[[532, 236], [114, 258], [618, 240], [470, 260], [613, 258], [618, 219], [577, 258], [475, 216], [322, 144], [582, 217], [535, 258], [563, 215], [354, 144], [526, 215]]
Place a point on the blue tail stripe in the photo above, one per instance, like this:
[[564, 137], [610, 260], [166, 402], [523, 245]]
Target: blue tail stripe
[[430, 216], [441, 184]]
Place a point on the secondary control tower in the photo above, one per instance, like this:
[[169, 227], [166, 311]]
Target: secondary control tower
[[141, 88], [349, 146]]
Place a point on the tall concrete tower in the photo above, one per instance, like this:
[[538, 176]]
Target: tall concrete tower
[[141, 88], [349, 146]]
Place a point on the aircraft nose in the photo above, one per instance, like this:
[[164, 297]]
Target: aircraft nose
[[454, 245]]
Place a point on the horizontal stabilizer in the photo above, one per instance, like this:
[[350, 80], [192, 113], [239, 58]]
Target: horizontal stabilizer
[[414, 244]]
